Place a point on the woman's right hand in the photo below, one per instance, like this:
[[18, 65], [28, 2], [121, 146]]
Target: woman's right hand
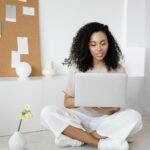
[[69, 101], [106, 110]]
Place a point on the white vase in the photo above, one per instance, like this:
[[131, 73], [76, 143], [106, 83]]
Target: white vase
[[49, 70], [17, 141]]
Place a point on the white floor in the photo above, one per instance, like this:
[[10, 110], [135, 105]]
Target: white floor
[[44, 140]]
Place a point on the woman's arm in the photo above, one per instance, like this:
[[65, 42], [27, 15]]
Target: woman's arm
[[107, 110], [68, 101]]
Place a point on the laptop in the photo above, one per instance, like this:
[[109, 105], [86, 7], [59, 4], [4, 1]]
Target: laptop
[[100, 89]]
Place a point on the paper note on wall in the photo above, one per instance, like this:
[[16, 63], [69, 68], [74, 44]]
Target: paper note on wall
[[15, 59], [10, 13], [28, 11], [22, 43]]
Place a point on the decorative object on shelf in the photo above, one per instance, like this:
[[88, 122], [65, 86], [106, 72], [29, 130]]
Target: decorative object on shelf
[[23, 70], [17, 141], [49, 69]]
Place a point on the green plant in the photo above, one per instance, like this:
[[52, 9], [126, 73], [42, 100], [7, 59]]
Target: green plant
[[25, 114], [67, 62]]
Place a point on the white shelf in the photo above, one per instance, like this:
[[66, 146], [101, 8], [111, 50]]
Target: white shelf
[[41, 91], [36, 91]]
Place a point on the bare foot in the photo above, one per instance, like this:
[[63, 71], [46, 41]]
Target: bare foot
[[97, 136]]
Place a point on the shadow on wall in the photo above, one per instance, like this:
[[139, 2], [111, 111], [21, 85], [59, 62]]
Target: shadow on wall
[[147, 83]]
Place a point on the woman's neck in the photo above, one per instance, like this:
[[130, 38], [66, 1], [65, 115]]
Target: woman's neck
[[98, 64]]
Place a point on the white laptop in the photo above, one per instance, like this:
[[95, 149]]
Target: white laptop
[[100, 89]]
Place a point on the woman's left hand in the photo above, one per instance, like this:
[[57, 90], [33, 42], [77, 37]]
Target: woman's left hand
[[107, 110]]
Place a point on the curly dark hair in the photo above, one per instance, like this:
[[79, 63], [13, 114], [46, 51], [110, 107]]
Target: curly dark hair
[[80, 53]]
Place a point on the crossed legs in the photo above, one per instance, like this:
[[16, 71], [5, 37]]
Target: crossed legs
[[83, 136], [119, 126]]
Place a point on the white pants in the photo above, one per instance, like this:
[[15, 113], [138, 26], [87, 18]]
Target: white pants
[[120, 125]]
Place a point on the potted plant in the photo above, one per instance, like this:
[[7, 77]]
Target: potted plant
[[17, 141]]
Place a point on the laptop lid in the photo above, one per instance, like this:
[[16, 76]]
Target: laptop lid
[[100, 89]]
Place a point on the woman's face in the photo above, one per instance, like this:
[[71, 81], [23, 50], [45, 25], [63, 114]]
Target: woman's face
[[98, 46]]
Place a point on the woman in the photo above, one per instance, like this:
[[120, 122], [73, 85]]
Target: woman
[[94, 49]]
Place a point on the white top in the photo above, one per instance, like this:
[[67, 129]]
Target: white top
[[70, 89]]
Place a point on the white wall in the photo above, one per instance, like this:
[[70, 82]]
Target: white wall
[[147, 61], [37, 91], [135, 37], [135, 93], [138, 35], [136, 23], [60, 20]]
